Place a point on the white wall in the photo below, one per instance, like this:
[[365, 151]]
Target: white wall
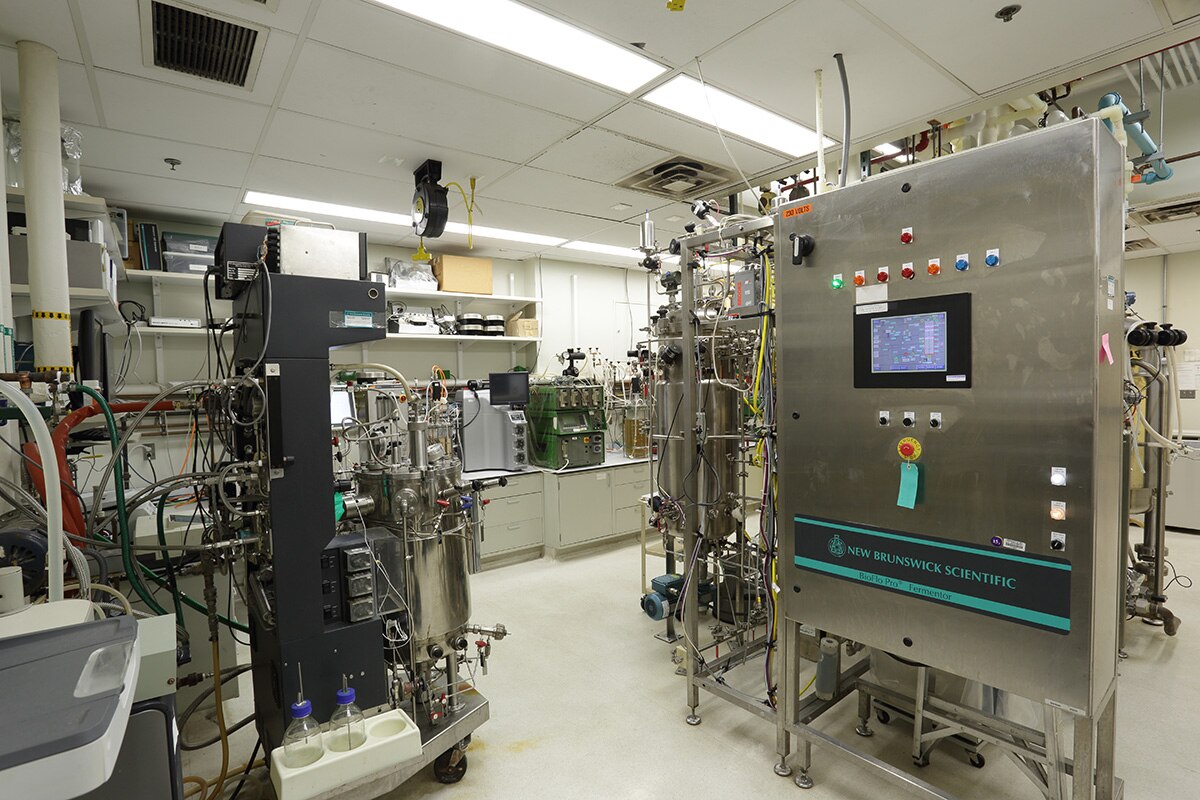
[[590, 306], [1181, 309]]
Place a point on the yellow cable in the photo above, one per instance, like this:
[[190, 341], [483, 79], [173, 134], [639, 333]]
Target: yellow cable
[[470, 204]]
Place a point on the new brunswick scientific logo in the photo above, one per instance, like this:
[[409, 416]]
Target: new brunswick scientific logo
[[837, 546]]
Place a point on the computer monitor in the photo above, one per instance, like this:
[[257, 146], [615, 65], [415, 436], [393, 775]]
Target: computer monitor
[[509, 388]]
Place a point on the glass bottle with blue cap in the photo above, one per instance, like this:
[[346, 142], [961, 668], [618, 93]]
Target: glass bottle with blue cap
[[347, 726]]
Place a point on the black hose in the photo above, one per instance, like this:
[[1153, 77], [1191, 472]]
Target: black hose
[[101, 575], [845, 119], [226, 676], [246, 771]]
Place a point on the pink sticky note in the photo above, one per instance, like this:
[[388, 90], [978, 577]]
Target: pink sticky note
[[1105, 350]]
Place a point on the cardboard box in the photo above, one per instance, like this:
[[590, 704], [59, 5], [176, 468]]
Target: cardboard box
[[135, 253], [463, 274], [518, 325]]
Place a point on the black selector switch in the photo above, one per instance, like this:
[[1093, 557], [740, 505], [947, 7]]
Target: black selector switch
[[908, 420]]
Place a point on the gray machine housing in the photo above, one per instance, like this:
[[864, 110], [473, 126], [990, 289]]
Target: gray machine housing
[[493, 436], [1035, 606]]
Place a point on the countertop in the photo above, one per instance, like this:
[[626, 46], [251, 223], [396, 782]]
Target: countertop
[[611, 459]]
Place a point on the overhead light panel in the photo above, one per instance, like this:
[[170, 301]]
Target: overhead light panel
[[887, 149], [285, 203], [686, 95], [532, 34], [604, 249], [482, 232]]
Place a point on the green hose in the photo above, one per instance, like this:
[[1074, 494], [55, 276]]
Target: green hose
[[166, 555], [193, 604], [122, 518]]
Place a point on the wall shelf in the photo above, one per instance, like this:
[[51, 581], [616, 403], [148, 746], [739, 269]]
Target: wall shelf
[[438, 298], [461, 339], [432, 298]]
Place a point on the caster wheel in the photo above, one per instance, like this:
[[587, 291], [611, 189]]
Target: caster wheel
[[883, 717], [450, 766], [976, 760], [921, 762]]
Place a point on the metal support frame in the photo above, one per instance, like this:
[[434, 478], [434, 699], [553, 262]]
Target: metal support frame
[[693, 439]]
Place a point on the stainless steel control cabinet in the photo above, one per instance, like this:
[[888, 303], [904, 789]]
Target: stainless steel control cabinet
[[973, 372]]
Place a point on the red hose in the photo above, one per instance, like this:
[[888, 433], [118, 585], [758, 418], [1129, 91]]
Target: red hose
[[73, 521]]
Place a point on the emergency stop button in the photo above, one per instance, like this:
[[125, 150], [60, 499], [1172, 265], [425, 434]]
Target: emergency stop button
[[909, 449]]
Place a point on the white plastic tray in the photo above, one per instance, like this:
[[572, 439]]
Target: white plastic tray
[[392, 738]]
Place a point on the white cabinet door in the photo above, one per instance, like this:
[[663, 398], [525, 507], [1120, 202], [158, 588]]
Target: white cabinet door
[[585, 506]]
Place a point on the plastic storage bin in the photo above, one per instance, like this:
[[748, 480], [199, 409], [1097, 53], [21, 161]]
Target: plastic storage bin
[[192, 263]]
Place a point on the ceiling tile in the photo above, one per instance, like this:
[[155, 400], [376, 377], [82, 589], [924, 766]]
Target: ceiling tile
[[529, 218], [276, 176], [599, 155], [987, 54], [172, 112], [679, 36], [337, 85], [74, 94], [124, 189], [538, 187], [321, 142], [127, 152], [666, 131], [114, 38], [45, 21], [890, 85], [289, 15], [433, 51], [1174, 234]]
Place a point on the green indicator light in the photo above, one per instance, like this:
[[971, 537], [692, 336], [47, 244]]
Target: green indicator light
[[836, 283]]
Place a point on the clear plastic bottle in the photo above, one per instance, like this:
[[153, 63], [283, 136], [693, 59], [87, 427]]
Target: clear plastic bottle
[[302, 739], [347, 727]]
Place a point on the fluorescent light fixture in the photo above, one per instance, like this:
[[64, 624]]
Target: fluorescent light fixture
[[481, 232], [532, 34], [887, 149], [605, 249], [285, 203], [631, 253], [686, 95]]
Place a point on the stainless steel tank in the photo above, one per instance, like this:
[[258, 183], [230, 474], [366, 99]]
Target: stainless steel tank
[[721, 463], [429, 564]]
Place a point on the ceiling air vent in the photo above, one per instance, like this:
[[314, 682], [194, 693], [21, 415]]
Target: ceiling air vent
[[1167, 212], [186, 39], [1140, 244], [677, 178]]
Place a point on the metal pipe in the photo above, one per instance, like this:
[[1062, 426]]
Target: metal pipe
[[691, 515], [41, 165], [819, 178], [845, 120]]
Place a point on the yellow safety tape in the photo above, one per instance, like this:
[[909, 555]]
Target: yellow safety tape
[[53, 369], [52, 315]]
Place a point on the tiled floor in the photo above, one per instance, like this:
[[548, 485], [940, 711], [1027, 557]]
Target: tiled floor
[[586, 703]]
